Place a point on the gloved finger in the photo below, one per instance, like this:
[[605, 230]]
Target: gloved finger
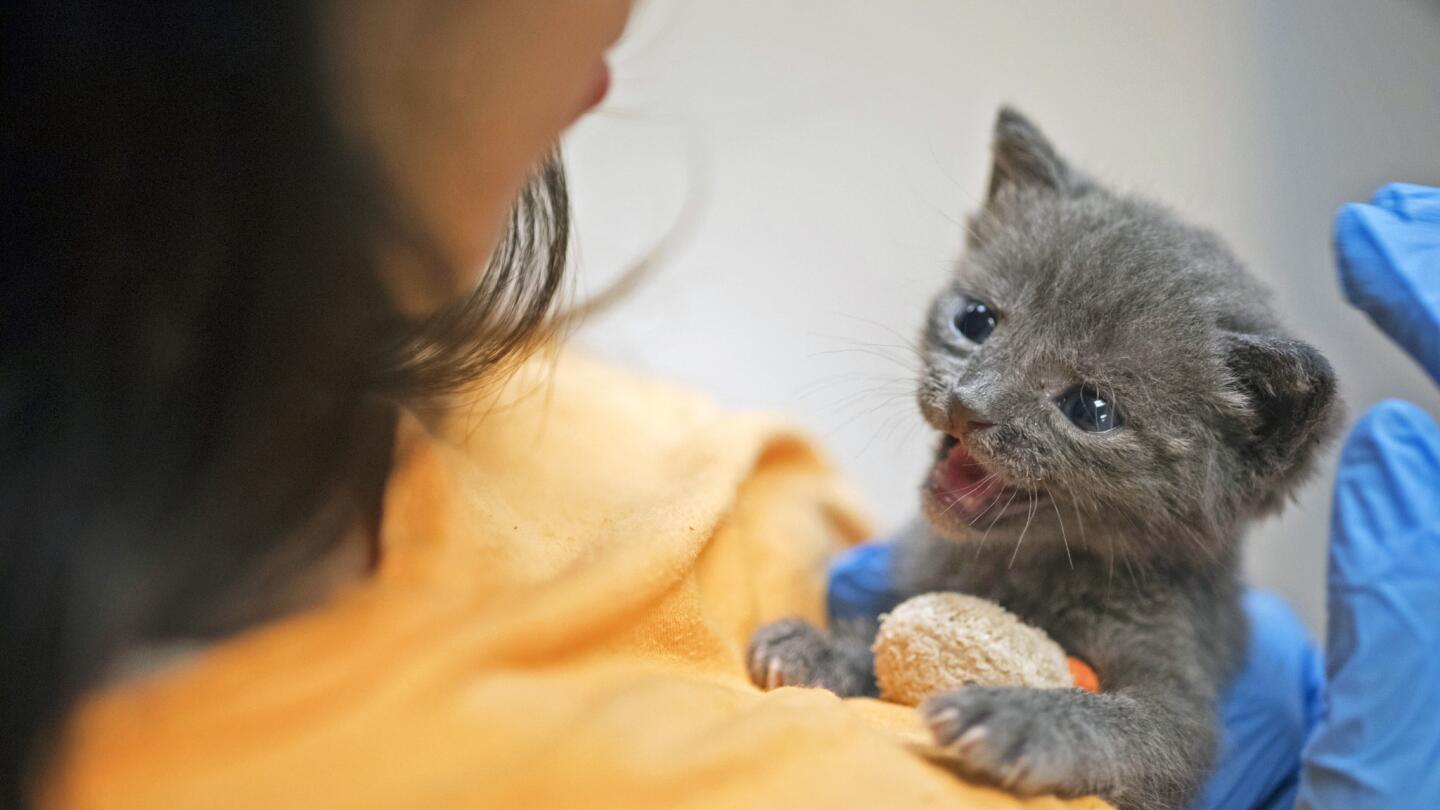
[[861, 584], [1266, 713], [1389, 260], [1378, 744]]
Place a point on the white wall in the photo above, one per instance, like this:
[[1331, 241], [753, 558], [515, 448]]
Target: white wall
[[829, 148]]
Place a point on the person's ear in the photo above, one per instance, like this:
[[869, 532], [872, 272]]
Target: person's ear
[[1292, 407], [1023, 157]]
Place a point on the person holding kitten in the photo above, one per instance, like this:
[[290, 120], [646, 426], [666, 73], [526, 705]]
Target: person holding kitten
[[262, 548]]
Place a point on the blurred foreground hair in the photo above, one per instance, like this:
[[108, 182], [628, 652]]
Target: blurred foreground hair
[[199, 361]]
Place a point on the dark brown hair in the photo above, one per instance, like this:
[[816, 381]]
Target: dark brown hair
[[199, 362]]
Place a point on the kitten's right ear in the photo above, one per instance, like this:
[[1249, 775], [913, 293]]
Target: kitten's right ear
[[1023, 157], [1293, 409]]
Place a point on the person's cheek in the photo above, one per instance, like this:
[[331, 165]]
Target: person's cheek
[[459, 102], [525, 90]]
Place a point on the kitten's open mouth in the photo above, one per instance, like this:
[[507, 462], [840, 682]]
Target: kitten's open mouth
[[964, 490]]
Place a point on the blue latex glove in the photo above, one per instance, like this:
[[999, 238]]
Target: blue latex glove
[[1374, 732], [1379, 742]]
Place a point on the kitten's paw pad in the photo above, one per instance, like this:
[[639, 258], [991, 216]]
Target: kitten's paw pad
[[1004, 737], [790, 652]]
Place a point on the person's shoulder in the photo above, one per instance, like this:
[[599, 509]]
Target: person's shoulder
[[614, 391], [567, 391], [562, 420]]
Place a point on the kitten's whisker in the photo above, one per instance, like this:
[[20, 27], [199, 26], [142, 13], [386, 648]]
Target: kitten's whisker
[[1029, 517], [910, 432], [1079, 521], [993, 521], [1137, 531], [908, 342], [887, 429], [829, 381], [1110, 577], [1063, 538], [956, 500], [975, 519], [1125, 558], [879, 355], [971, 522], [877, 378], [978, 484], [833, 379], [878, 393], [860, 398], [861, 415], [1198, 543], [906, 349]]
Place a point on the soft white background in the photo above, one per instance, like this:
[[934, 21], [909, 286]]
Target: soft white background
[[812, 160]]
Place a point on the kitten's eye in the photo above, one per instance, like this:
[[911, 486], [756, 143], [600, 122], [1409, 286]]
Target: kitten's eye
[[975, 321], [1089, 409]]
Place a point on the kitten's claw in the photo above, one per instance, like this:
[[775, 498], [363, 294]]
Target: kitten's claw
[[942, 722], [970, 738], [1005, 737], [786, 653], [774, 674], [792, 652]]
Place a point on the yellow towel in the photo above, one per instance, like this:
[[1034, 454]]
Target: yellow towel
[[569, 576]]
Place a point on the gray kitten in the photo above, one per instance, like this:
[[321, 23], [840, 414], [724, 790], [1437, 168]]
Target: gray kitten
[[1112, 390]]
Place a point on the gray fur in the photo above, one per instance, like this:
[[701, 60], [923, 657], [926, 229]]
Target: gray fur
[[1124, 546]]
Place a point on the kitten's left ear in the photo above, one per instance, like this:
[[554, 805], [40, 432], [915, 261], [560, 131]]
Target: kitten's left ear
[[1023, 157], [1290, 390]]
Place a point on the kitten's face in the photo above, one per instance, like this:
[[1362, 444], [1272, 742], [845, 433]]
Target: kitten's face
[[1099, 370]]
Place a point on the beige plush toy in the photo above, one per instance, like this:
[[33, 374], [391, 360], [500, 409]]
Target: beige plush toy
[[938, 642]]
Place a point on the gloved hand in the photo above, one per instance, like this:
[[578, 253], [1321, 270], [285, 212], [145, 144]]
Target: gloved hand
[[1378, 744], [1374, 732], [1374, 738]]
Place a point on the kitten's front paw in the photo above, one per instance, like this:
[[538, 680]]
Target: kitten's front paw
[[1009, 737], [793, 652]]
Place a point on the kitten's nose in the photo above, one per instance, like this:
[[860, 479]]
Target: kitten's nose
[[964, 417]]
